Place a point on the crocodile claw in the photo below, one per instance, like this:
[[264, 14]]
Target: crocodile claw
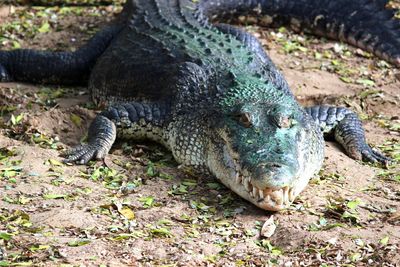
[[83, 153], [374, 156], [102, 134], [367, 154]]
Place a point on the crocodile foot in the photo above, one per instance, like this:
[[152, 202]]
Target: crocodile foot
[[102, 134], [365, 153], [83, 153]]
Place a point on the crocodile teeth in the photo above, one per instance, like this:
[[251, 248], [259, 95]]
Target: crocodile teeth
[[277, 196], [255, 191], [261, 193], [291, 194], [238, 178], [247, 184], [285, 194], [251, 194]]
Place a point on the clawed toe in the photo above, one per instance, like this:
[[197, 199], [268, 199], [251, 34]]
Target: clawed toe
[[81, 154], [374, 156], [102, 134]]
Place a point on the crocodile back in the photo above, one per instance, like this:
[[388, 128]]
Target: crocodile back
[[145, 61]]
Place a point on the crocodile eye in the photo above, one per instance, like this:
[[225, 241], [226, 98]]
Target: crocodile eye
[[284, 121], [244, 119]]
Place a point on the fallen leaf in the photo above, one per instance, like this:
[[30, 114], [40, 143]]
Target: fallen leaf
[[384, 240], [76, 120], [127, 213], [268, 228], [44, 28]]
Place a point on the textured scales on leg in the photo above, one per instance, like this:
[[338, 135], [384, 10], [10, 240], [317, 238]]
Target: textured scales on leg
[[101, 136], [347, 130], [130, 120], [210, 94]]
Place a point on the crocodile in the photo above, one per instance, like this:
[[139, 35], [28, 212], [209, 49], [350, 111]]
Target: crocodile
[[172, 72]]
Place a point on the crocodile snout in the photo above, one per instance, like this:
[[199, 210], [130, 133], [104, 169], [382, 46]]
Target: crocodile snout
[[273, 175]]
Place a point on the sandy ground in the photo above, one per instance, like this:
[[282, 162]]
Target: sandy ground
[[138, 208]]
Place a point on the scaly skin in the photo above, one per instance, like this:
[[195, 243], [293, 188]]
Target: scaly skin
[[210, 93]]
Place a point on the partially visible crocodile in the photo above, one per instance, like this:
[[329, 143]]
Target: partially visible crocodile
[[210, 93]]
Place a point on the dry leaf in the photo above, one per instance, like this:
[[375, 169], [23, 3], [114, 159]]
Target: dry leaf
[[268, 228], [127, 213]]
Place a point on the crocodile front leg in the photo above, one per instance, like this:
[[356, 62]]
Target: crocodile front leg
[[347, 130], [129, 120]]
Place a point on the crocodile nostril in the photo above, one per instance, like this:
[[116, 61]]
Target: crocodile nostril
[[270, 165], [276, 165]]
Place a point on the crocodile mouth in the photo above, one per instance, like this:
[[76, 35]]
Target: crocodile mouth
[[273, 198], [267, 198]]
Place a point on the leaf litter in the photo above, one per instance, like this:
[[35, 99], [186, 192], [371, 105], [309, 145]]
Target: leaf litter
[[349, 216]]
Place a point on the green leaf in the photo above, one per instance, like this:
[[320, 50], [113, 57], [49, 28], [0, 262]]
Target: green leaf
[[335, 62], [161, 232], [166, 176], [127, 213], [215, 186], [54, 162], [123, 236], [38, 247], [178, 190], [16, 120], [26, 263], [147, 201], [54, 196], [79, 242], [345, 79], [151, 170], [16, 45], [351, 216], [366, 93], [189, 182], [165, 222], [76, 120], [355, 257], [44, 28], [317, 55], [365, 82], [384, 240], [354, 203], [264, 243], [5, 236]]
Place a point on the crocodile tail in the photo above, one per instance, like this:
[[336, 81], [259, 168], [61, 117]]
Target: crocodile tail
[[48, 3], [367, 24]]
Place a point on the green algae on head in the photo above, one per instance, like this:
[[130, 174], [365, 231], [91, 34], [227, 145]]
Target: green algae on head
[[249, 88], [267, 139]]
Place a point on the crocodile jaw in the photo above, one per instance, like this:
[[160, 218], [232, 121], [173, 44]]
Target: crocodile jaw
[[228, 171], [273, 199], [267, 198]]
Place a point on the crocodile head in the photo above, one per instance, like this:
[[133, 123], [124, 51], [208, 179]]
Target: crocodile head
[[264, 152]]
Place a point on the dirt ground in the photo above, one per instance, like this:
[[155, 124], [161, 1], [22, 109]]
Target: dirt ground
[[139, 208]]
